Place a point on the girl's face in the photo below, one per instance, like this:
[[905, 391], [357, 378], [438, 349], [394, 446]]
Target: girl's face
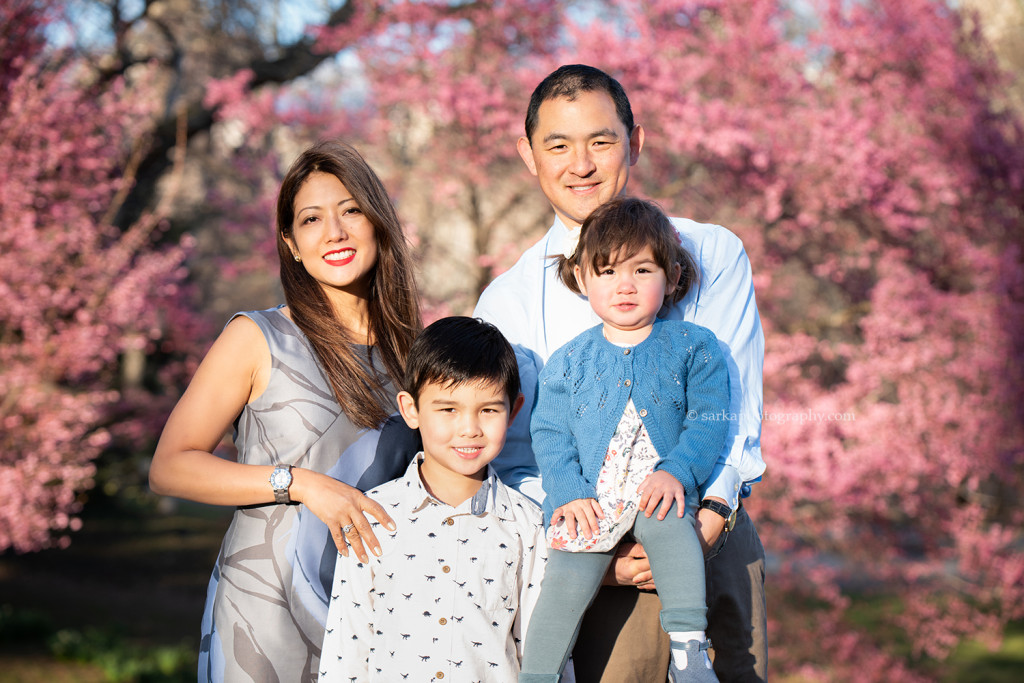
[[335, 240], [627, 295]]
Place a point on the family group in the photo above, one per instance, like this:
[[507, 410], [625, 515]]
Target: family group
[[529, 494]]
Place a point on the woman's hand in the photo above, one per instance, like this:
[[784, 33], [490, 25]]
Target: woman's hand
[[582, 511], [339, 505], [661, 487]]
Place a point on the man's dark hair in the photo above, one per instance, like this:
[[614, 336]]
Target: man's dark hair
[[460, 350], [569, 81]]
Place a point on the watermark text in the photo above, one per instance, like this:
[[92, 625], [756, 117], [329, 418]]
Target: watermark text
[[799, 417]]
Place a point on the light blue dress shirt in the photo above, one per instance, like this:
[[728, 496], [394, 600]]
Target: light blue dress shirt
[[537, 313]]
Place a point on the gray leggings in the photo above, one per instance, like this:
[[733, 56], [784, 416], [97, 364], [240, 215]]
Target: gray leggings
[[571, 581]]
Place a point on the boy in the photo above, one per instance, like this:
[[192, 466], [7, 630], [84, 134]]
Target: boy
[[451, 593]]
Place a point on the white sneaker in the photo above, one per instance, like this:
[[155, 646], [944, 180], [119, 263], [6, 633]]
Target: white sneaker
[[698, 666]]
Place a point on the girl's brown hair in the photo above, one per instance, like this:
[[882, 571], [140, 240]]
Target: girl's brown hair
[[617, 230], [394, 317]]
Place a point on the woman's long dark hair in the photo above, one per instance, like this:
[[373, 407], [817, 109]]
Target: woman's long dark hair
[[394, 317]]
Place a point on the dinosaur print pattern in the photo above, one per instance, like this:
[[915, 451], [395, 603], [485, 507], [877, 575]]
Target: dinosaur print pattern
[[450, 596]]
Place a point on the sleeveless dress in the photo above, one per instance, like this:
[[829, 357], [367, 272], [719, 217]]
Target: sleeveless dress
[[267, 601]]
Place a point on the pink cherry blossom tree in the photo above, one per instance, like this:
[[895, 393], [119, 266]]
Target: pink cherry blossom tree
[[81, 300]]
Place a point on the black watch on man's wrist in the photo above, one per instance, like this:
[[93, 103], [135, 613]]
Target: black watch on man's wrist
[[721, 509]]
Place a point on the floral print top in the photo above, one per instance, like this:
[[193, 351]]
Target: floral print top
[[630, 458]]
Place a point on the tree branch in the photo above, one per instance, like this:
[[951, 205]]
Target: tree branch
[[296, 60]]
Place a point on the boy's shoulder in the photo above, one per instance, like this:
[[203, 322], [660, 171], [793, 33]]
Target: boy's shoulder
[[523, 505], [516, 512], [394, 492]]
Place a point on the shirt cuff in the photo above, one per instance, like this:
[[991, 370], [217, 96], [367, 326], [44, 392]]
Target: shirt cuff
[[724, 483]]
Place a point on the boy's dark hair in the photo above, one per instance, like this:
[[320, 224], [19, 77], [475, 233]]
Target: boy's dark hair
[[620, 228], [569, 81], [461, 350]]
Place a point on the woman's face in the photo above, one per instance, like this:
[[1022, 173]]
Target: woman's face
[[335, 240]]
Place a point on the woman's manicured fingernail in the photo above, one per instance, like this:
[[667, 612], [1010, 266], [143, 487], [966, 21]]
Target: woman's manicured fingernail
[[390, 526], [376, 550]]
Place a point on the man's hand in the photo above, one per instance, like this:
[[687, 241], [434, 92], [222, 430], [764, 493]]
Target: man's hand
[[709, 526], [630, 568]]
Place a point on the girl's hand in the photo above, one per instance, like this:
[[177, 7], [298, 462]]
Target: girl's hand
[[661, 487], [339, 505], [582, 511]]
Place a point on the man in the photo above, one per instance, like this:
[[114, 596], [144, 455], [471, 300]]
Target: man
[[580, 143]]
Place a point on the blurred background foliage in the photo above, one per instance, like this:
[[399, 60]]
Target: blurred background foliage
[[870, 155]]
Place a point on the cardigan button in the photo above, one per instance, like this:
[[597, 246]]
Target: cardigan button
[[643, 412], [625, 352], [627, 382]]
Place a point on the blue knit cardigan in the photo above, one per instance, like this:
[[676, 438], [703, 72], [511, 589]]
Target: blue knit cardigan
[[678, 381]]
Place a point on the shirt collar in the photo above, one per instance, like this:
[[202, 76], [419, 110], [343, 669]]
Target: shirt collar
[[492, 497], [559, 233]]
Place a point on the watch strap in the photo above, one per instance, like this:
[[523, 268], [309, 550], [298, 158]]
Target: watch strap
[[721, 509]]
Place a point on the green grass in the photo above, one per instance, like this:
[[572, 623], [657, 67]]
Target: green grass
[[122, 603], [976, 662]]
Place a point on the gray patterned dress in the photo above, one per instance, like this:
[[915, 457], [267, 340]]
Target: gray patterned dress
[[267, 600]]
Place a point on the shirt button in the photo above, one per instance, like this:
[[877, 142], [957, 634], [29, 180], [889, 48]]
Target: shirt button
[[446, 569], [440, 674], [627, 382], [449, 521], [625, 352], [442, 621], [643, 412]]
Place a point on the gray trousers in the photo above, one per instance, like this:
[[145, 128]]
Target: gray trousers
[[572, 579], [621, 640]]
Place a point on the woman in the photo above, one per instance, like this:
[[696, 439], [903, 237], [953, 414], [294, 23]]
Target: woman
[[307, 387]]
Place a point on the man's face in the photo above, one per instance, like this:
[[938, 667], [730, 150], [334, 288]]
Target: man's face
[[581, 153]]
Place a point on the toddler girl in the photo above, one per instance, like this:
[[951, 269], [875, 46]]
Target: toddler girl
[[628, 420]]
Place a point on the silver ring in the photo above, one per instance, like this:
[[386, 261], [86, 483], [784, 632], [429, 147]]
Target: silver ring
[[347, 529]]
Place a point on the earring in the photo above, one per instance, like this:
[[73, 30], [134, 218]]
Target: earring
[[297, 257]]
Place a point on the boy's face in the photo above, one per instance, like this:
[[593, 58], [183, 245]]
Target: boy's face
[[462, 427]]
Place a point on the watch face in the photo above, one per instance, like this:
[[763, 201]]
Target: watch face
[[281, 478]]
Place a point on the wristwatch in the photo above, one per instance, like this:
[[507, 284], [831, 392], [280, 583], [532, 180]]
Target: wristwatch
[[280, 480], [721, 509]]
